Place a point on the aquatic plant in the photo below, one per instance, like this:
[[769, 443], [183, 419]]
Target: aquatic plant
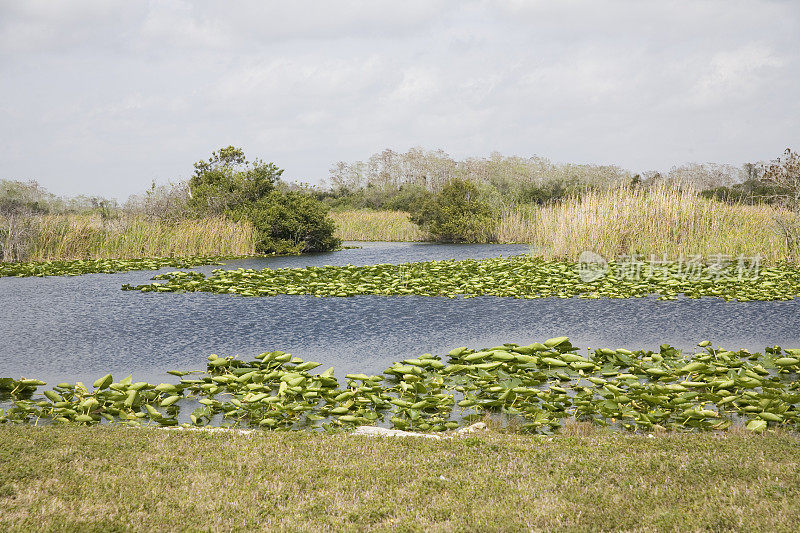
[[97, 266], [540, 385], [516, 277]]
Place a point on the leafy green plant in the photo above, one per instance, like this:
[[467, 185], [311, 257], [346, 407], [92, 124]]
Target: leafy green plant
[[516, 277], [285, 222], [538, 386], [458, 213], [291, 222]]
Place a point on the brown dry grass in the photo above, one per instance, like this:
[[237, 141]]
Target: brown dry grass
[[662, 220]]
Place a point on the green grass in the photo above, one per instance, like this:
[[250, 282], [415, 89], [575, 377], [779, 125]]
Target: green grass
[[100, 479]]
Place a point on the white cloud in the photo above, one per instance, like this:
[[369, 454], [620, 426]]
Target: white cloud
[[736, 74], [103, 96]]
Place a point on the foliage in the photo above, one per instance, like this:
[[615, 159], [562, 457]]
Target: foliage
[[457, 213], [516, 277], [541, 384], [751, 192], [291, 222], [97, 266], [19, 203], [161, 202], [228, 181], [551, 191], [285, 221]]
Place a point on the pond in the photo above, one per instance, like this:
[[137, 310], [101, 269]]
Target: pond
[[79, 328]]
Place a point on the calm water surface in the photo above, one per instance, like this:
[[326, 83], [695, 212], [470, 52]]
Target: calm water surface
[[79, 328]]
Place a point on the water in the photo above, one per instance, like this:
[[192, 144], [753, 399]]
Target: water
[[79, 328]]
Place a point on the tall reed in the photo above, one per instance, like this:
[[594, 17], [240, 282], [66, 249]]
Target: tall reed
[[661, 220], [368, 225], [89, 237]]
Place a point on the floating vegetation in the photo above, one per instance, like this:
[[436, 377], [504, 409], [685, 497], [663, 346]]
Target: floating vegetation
[[541, 385], [517, 277], [97, 266]]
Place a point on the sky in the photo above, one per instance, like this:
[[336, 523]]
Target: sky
[[101, 97]]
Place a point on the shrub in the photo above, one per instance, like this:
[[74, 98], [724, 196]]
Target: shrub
[[228, 181], [458, 213], [285, 221], [291, 222]]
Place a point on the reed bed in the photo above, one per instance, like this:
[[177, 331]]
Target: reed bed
[[662, 221], [369, 225], [89, 237]]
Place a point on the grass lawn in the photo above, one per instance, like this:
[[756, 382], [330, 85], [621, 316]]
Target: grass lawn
[[114, 479]]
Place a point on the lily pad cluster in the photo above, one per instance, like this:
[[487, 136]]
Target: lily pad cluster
[[97, 266], [539, 385], [517, 277]]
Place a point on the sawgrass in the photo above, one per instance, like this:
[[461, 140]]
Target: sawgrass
[[661, 220], [91, 479], [370, 225], [89, 237]]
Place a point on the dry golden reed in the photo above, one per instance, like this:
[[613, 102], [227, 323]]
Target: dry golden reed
[[661, 220], [88, 237]]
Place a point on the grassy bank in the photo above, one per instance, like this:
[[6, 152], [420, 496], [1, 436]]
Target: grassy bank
[[659, 220], [65, 237], [153, 480]]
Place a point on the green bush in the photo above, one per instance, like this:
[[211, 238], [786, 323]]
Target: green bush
[[227, 181], [285, 222], [291, 222], [458, 213]]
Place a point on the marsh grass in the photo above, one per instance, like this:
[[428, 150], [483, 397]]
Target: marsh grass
[[90, 237], [661, 220], [154, 480], [369, 225]]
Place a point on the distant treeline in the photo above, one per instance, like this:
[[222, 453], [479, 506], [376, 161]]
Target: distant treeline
[[400, 181], [252, 210]]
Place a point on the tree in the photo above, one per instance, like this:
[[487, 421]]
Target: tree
[[784, 175], [20, 203], [227, 180], [291, 222], [458, 213], [285, 221]]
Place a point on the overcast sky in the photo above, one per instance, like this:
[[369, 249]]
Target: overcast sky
[[102, 97]]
